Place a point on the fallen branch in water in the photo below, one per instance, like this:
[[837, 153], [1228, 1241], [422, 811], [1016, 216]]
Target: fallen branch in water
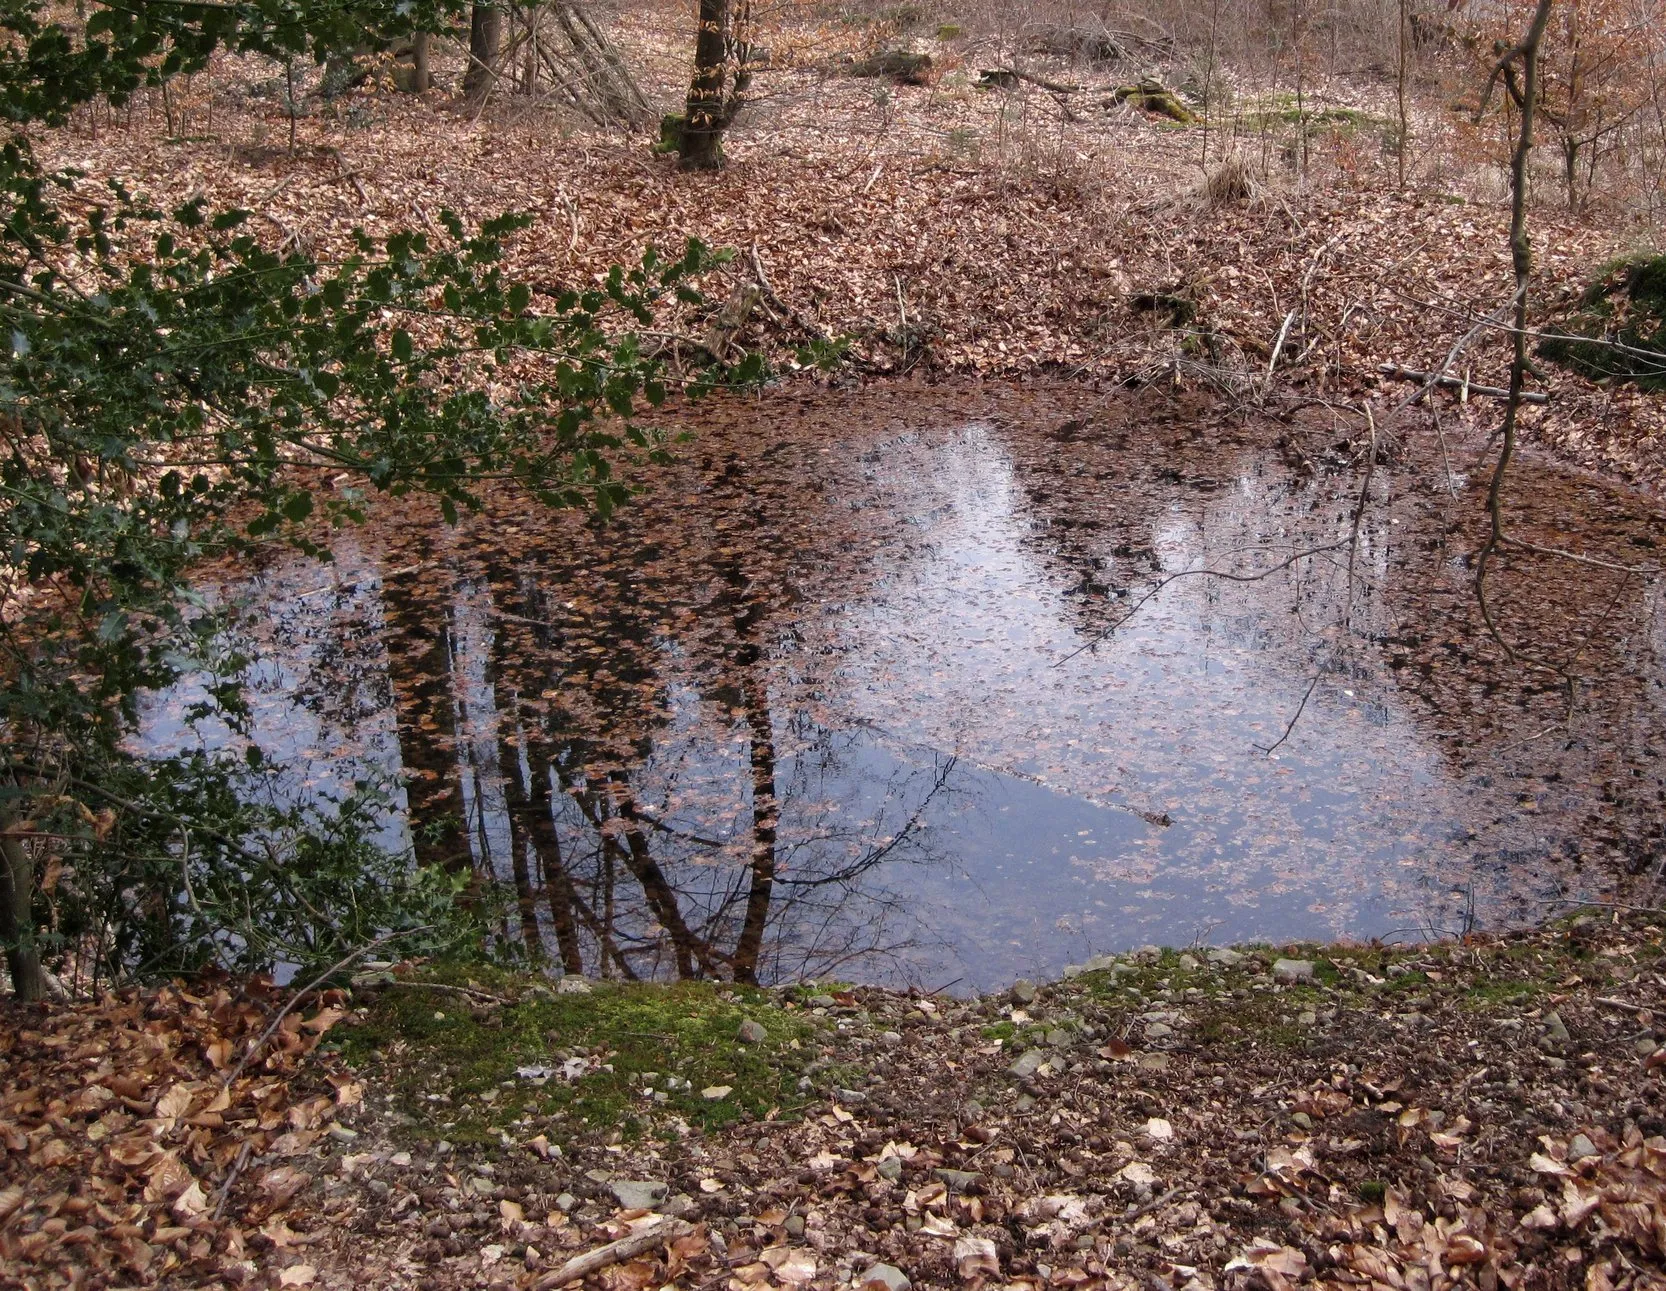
[[626, 1248]]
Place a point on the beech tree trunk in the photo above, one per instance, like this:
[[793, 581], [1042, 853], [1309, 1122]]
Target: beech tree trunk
[[485, 35], [701, 146]]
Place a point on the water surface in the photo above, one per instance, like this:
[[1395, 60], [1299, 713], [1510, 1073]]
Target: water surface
[[875, 686]]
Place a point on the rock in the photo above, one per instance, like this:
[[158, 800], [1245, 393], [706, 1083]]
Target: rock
[[1158, 1030], [1302, 1119], [1581, 1147], [1027, 1064], [795, 1226], [540, 993], [1099, 963], [1071, 972], [1189, 963], [1058, 1037], [1148, 953], [341, 1134], [678, 1206], [822, 1002], [890, 1168], [890, 1039], [1555, 1028], [1154, 1062], [565, 1202], [1225, 957], [715, 1093], [752, 1032], [1023, 991], [1293, 970], [572, 984], [1025, 1103], [1646, 1046], [1159, 1129], [884, 1277], [959, 1180], [972, 1113], [1307, 1018], [639, 1194]]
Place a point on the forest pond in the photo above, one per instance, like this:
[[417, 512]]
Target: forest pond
[[867, 686]]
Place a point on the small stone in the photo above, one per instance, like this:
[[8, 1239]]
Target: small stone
[[1188, 963], [1646, 1046], [822, 1002], [1302, 1119], [1225, 956], [1027, 1064], [752, 1032], [972, 1113], [1098, 963], [341, 1134], [890, 1039], [572, 984], [795, 1226], [1154, 1062], [890, 1168], [1307, 1018], [1071, 972], [565, 1202], [1023, 991], [1025, 1103], [1149, 953], [884, 1277], [1293, 970], [714, 1093], [1058, 1037], [540, 993], [959, 1180], [1581, 1147], [1157, 1030], [1159, 1129], [1555, 1028], [639, 1194]]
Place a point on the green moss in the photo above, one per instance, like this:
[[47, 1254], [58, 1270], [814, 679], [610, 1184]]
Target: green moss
[[1282, 114], [1624, 305], [1373, 1190], [452, 1062]]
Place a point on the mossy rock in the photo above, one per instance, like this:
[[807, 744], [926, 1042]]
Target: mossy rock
[[900, 65], [1151, 95], [1624, 305]]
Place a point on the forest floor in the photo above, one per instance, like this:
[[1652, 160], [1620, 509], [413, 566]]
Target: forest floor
[[1482, 1113], [950, 229]]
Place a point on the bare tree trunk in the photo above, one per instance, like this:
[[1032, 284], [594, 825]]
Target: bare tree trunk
[[422, 77], [1521, 259], [485, 34], [17, 919], [701, 146]]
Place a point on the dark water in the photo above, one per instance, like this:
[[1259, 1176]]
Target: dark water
[[845, 693]]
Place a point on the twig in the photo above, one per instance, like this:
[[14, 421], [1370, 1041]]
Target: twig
[[471, 992], [603, 1257], [236, 1169], [1306, 694], [1460, 383], [331, 971], [1225, 574], [1134, 1212], [1625, 1006]]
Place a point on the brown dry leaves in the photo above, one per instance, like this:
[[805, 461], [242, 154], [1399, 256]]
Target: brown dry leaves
[[121, 1137]]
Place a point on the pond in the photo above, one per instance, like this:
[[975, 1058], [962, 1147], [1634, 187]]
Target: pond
[[895, 686]]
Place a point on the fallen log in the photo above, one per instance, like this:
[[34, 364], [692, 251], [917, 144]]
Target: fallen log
[[1457, 383], [626, 1248]]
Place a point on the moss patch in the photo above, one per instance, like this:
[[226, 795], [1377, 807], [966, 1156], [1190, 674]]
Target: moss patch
[[620, 1057], [1625, 305]]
